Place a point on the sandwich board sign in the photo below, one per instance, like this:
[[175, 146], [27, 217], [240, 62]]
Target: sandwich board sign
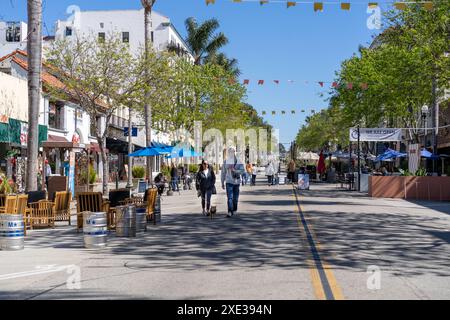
[[303, 182]]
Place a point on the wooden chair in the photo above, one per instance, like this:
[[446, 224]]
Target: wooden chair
[[89, 201], [151, 201], [42, 214], [10, 205], [61, 206], [2, 200]]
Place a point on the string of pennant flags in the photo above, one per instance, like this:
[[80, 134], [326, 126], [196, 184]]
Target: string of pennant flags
[[333, 84], [318, 6], [286, 112]]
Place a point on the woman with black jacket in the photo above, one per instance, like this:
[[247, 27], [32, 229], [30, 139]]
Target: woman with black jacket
[[205, 183]]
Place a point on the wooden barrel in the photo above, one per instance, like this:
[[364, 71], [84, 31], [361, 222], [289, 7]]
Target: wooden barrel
[[141, 220]]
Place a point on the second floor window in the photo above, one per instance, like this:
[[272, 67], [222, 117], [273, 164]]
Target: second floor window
[[125, 37], [101, 37], [13, 32], [55, 116], [68, 31]]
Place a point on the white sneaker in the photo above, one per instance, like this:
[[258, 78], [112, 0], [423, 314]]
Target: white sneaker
[[229, 214]]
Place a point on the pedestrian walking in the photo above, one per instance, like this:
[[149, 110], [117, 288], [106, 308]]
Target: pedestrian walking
[[291, 170], [232, 170], [248, 172], [205, 182], [270, 171], [254, 173], [174, 178]]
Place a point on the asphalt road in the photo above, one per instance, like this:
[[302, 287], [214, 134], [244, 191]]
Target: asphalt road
[[316, 244]]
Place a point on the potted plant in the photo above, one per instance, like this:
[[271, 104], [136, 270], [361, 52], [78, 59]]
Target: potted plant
[[138, 173], [92, 177]]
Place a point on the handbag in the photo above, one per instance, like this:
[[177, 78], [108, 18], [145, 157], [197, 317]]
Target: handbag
[[214, 191]]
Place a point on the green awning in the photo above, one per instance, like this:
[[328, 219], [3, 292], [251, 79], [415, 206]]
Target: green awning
[[10, 132]]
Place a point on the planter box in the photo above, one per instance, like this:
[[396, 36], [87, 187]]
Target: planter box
[[418, 188]]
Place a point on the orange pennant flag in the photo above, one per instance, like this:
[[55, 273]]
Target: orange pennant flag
[[334, 85], [260, 82], [345, 6], [291, 4], [318, 6], [276, 81], [400, 5], [373, 5], [263, 2], [321, 83], [246, 81], [208, 2]]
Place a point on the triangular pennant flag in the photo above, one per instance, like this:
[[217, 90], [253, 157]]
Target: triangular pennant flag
[[291, 4], [345, 6], [274, 112], [208, 2], [263, 112], [334, 85], [283, 112], [428, 5], [303, 110], [263, 2], [276, 81], [246, 81], [373, 5], [321, 83], [318, 6], [237, 0], [260, 82], [293, 111], [349, 85], [364, 86], [400, 5]]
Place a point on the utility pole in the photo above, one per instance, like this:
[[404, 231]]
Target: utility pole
[[359, 161], [130, 150]]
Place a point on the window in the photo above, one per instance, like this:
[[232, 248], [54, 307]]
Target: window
[[125, 37], [13, 32], [102, 25], [101, 36], [55, 116], [152, 37], [68, 31]]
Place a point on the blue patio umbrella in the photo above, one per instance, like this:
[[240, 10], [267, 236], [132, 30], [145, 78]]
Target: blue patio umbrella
[[146, 152], [390, 154], [427, 154], [182, 153]]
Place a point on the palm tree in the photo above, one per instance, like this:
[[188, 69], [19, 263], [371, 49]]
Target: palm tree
[[148, 6], [229, 65], [202, 39], [34, 46]]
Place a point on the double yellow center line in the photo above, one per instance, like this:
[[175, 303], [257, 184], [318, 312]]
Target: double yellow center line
[[323, 280]]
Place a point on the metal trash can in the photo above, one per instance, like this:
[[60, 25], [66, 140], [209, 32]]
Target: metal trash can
[[95, 230], [141, 220], [126, 221], [11, 232], [157, 212]]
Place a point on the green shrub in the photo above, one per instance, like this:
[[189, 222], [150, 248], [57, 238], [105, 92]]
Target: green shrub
[[92, 175], [193, 168], [421, 172], [138, 172]]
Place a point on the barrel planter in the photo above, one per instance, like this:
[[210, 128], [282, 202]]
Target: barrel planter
[[141, 220], [11, 232]]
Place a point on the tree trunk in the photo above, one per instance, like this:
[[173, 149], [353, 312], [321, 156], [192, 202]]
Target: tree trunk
[[130, 150], [147, 107], [34, 89], [105, 173]]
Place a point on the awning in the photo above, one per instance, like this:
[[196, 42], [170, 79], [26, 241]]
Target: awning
[[57, 142]]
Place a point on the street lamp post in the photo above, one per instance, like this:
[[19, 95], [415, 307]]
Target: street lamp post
[[424, 121]]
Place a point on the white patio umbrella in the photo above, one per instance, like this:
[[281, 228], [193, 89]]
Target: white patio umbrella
[[309, 156]]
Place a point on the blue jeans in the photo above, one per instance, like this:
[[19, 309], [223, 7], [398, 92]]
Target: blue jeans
[[206, 197], [232, 196], [174, 184]]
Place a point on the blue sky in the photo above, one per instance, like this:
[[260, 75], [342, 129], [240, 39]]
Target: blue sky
[[271, 43]]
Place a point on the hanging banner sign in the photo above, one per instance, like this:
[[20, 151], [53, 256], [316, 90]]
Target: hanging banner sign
[[376, 134]]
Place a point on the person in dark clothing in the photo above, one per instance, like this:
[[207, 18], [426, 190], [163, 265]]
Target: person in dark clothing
[[206, 180], [174, 178], [160, 182]]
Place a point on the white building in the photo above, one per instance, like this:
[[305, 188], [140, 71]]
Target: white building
[[128, 23]]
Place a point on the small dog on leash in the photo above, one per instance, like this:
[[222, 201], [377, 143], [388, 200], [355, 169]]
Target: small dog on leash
[[212, 211]]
